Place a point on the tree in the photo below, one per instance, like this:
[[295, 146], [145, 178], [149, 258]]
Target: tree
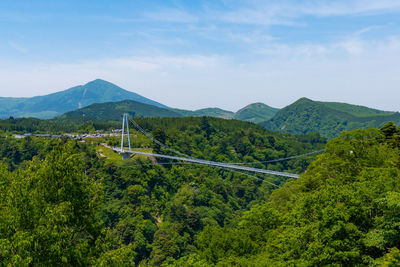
[[160, 136], [206, 127], [49, 213]]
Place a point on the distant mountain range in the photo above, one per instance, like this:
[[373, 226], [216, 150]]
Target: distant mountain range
[[210, 112], [52, 105], [78, 100], [257, 112], [100, 99], [327, 118], [113, 110]]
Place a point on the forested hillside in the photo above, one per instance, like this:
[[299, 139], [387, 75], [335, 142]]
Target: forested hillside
[[210, 112], [64, 203], [327, 118], [59, 125], [113, 111], [344, 211], [257, 112]]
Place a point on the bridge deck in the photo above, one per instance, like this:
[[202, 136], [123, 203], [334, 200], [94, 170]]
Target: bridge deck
[[211, 163]]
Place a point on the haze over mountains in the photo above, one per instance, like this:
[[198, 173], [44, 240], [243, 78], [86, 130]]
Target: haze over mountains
[[100, 99], [100, 91], [52, 105], [256, 112]]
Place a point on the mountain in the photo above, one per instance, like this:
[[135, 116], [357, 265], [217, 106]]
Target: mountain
[[210, 112], [327, 118], [48, 106], [114, 110], [257, 112], [100, 91]]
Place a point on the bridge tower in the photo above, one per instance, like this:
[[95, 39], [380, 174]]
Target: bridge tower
[[125, 124]]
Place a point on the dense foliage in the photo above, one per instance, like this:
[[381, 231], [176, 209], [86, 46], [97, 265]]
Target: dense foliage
[[328, 119], [210, 112], [63, 204], [345, 211], [257, 112], [49, 213]]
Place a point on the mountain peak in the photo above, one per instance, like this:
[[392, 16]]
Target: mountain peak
[[100, 82], [304, 100], [256, 112], [255, 105], [48, 106]]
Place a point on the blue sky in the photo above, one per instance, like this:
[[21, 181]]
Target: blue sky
[[194, 54]]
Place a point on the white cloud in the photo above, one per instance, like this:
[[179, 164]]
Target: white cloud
[[344, 8], [286, 12], [257, 12], [18, 47], [366, 74]]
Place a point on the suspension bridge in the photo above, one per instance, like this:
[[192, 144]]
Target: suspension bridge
[[126, 153]]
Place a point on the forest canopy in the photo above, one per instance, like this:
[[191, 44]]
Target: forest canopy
[[61, 203]]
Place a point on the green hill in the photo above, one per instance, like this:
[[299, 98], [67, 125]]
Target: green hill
[[209, 112], [114, 110], [100, 91], [48, 106], [327, 118], [358, 111], [257, 112], [343, 211]]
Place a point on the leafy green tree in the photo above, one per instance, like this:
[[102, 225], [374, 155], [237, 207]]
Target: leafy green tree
[[391, 259], [161, 136], [49, 213], [343, 211]]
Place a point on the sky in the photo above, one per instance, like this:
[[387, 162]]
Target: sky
[[196, 54]]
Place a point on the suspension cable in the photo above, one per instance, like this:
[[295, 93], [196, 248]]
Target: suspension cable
[[156, 141], [243, 163], [194, 163]]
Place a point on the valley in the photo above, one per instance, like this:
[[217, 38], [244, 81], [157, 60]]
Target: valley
[[199, 133], [155, 211]]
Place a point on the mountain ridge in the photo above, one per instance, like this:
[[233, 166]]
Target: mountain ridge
[[99, 110], [114, 110], [256, 112], [327, 118], [51, 105]]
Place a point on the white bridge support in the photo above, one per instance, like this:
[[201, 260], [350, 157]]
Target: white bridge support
[[125, 124]]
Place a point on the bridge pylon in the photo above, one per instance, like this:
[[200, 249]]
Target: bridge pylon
[[125, 124]]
